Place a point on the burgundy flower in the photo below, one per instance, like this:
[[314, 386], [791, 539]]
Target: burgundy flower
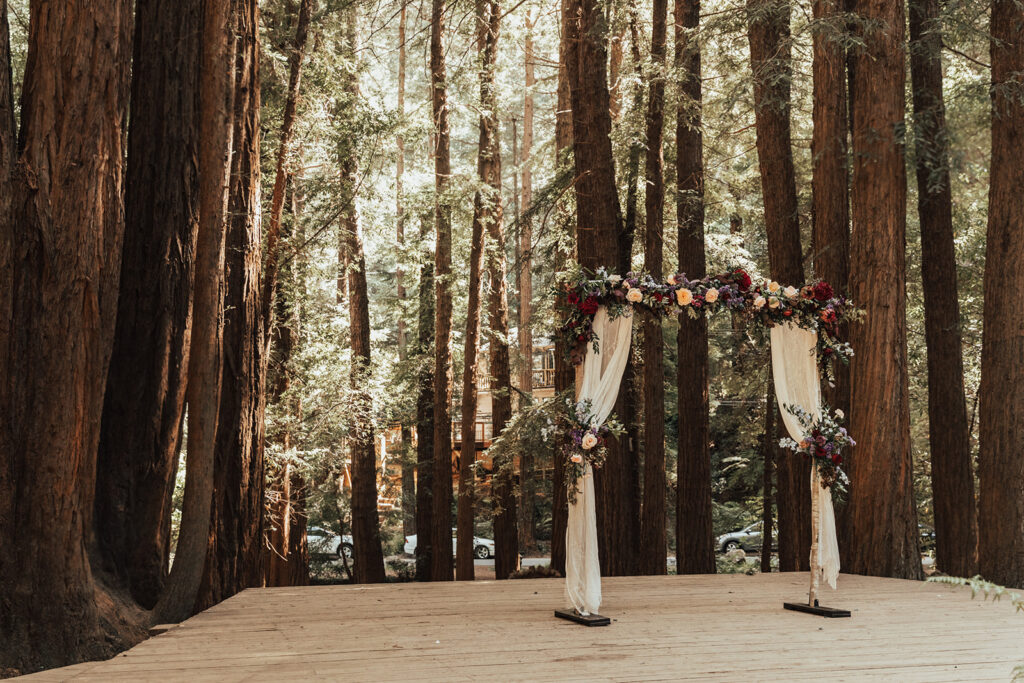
[[589, 305], [823, 291], [741, 279]]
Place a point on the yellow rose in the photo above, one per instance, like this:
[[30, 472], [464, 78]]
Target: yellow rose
[[774, 287], [711, 296], [773, 302], [635, 295], [684, 296]]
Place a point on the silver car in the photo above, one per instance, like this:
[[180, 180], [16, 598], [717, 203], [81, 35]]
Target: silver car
[[748, 538]]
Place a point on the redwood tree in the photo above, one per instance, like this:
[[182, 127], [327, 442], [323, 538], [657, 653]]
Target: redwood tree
[[770, 62], [425, 408], [956, 528], [695, 552], [441, 563], [564, 375], [140, 434], [1001, 429], [882, 516], [652, 535], [61, 225], [234, 555]]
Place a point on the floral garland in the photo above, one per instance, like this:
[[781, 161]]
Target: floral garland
[[815, 306], [587, 443], [823, 442]]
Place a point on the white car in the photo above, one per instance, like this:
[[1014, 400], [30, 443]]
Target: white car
[[483, 548], [326, 542]]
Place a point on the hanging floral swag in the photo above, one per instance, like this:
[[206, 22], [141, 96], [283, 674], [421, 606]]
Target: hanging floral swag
[[814, 306], [587, 442], [823, 442]]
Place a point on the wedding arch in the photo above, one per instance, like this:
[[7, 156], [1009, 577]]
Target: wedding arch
[[803, 323]]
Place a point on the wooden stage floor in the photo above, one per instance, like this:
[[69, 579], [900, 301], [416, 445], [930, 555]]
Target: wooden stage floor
[[726, 627]]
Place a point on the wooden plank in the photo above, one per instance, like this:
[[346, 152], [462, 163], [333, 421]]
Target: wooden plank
[[728, 627]]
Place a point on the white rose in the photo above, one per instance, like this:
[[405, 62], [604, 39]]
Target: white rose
[[615, 279], [711, 296], [774, 287], [759, 302], [635, 295], [671, 279], [773, 302], [840, 414], [792, 292], [589, 441]]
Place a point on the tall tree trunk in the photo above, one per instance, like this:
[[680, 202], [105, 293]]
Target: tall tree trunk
[[1001, 429], [287, 552], [506, 538], [770, 62], [695, 552], [471, 371], [234, 556], [652, 535], [408, 462], [599, 235], [830, 183], [295, 59], [61, 228], [527, 485], [564, 373], [425, 408], [956, 524], [144, 403], [369, 557], [179, 600], [636, 144], [441, 534], [882, 516]]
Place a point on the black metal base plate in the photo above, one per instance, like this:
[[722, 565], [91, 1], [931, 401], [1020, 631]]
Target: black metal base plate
[[830, 612], [590, 620]]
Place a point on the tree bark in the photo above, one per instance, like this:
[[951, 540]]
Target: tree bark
[[425, 410], [770, 62], [61, 226], [600, 237], [830, 183], [695, 552], [882, 516], [368, 557], [441, 567], [1001, 427], [652, 535], [464, 568], [564, 373], [527, 485], [234, 554], [408, 462], [179, 600], [956, 525], [144, 404], [295, 59], [768, 448]]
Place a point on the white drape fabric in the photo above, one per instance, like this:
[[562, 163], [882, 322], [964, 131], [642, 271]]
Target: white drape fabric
[[602, 374], [797, 382]]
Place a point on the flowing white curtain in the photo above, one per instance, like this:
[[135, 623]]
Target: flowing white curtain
[[602, 374], [795, 370]]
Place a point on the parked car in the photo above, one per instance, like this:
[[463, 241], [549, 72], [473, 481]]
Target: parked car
[[748, 538], [483, 548], [325, 543]]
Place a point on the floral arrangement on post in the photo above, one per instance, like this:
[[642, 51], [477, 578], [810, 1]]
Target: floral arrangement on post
[[823, 442], [815, 306], [587, 443]]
